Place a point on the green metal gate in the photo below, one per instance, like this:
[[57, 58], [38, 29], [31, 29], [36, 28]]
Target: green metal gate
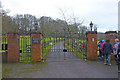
[[25, 48], [71, 44], [4, 47]]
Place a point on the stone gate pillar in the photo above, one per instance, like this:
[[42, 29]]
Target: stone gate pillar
[[91, 45], [13, 48], [111, 35], [36, 47]]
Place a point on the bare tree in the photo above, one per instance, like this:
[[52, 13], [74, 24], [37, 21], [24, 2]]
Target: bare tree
[[73, 23], [4, 12], [25, 22]]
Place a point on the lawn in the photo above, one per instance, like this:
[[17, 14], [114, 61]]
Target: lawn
[[13, 70]]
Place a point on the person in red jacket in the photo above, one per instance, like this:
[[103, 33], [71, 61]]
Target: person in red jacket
[[101, 47]]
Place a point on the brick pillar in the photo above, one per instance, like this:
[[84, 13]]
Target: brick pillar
[[13, 48], [111, 35], [36, 47], [91, 45]]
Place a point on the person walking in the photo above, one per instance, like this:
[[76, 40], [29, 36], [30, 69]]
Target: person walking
[[107, 50], [100, 53], [115, 48], [101, 47], [118, 53]]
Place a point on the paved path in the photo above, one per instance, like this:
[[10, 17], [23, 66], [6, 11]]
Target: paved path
[[56, 67], [72, 67], [57, 54]]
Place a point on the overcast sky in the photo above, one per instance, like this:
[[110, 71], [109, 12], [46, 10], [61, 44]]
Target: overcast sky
[[103, 13]]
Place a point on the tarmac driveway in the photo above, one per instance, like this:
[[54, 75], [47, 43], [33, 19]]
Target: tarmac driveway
[[62, 65]]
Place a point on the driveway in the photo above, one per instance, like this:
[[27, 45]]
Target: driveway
[[62, 65]]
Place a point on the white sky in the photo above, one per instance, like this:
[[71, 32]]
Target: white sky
[[103, 13]]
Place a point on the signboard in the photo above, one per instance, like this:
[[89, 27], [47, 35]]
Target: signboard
[[93, 40], [35, 40]]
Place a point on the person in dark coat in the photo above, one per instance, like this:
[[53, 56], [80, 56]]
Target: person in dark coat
[[107, 50]]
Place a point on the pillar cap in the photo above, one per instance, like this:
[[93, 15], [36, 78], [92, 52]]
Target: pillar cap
[[35, 32], [92, 32], [12, 33], [108, 32]]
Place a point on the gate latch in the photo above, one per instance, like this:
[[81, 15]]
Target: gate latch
[[64, 50], [4, 46]]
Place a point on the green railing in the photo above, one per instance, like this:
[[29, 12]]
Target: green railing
[[4, 43], [25, 49]]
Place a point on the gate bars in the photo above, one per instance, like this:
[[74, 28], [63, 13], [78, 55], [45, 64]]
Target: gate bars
[[4, 48], [72, 43], [25, 48]]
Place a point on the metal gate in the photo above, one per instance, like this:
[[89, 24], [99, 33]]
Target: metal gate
[[64, 45], [4, 47], [25, 48]]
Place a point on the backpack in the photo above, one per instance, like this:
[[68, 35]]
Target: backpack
[[101, 46]]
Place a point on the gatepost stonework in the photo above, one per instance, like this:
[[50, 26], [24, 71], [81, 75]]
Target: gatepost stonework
[[36, 47], [13, 48], [91, 45]]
